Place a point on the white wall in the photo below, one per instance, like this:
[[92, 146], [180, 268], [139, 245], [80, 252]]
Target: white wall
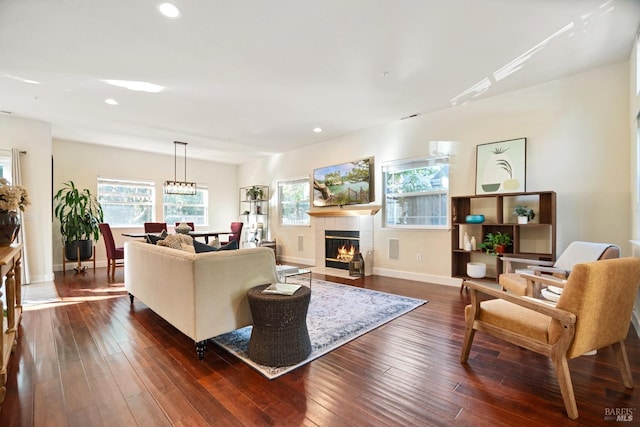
[[84, 163], [577, 145], [34, 137]]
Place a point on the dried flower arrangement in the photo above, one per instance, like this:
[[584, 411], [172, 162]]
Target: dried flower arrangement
[[13, 197]]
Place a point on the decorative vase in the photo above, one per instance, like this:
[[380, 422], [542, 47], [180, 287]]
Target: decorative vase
[[183, 228], [9, 227], [523, 219]]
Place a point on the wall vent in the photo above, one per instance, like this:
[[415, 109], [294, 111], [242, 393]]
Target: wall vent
[[394, 248], [300, 242]]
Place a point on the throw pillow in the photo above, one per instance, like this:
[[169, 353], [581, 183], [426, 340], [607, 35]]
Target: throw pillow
[[175, 241], [215, 243], [188, 248], [154, 239], [203, 247], [230, 246]]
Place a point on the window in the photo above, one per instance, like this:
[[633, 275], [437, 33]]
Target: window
[[126, 203], [416, 193], [294, 197], [187, 208]]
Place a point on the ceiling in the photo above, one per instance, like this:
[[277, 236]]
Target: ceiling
[[246, 78]]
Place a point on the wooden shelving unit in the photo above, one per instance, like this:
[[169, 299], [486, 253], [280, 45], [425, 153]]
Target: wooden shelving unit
[[255, 215], [10, 268], [535, 240]]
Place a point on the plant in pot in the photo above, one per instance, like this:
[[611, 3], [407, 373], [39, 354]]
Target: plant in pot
[[496, 243], [524, 214], [79, 213], [254, 193]]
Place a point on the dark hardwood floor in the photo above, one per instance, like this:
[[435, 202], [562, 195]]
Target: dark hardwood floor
[[94, 360]]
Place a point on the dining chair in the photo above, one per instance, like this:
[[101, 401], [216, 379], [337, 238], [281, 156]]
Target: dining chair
[[115, 256], [236, 231], [155, 227], [593, 311]]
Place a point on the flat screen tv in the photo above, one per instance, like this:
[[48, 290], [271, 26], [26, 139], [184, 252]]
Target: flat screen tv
[[345, 184]]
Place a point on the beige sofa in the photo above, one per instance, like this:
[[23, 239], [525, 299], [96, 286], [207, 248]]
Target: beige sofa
[[203, 295]]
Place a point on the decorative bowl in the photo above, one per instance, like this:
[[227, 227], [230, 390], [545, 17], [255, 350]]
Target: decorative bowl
[[474, 219], [476, 270]]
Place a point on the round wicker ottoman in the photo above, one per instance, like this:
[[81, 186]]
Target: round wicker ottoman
[[279, 336]]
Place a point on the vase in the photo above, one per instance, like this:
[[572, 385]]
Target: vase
[[9, 227], [183, 228]]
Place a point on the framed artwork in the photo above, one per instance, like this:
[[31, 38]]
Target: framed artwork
[[501, 167]]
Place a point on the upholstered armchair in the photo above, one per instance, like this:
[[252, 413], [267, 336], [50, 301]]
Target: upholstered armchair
[[576, 252], [593, 311], [115, 256]]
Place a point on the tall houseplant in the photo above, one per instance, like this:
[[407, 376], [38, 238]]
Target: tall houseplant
[[79, 213]]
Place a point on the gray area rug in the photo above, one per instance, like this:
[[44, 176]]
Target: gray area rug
[[337, 314]]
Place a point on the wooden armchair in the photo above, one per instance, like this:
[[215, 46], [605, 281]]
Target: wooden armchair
[[594, 311], [576, 252]]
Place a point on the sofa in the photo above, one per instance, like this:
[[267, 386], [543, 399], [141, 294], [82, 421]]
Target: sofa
[[201, 294]]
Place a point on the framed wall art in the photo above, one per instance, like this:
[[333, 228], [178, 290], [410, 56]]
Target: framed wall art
[[501, 167]]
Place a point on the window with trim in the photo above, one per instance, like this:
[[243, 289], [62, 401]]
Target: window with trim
[[294, 200], [187, 208], [126, 203], [416, 193]]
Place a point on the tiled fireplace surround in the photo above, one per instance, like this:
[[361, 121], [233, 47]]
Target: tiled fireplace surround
[[361, 223]]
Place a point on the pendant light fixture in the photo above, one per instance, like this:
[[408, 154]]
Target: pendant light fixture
[[183, 188]]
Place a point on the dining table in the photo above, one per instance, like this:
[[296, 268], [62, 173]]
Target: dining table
[[194, 234]]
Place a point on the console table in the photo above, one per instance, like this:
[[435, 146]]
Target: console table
[[10, 268]]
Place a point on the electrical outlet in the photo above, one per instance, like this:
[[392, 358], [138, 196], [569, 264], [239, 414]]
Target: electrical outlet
[[419, 257]]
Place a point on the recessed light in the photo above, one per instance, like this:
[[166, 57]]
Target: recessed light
[[134, 85], [111, 101], [169, 10], [317, 130]]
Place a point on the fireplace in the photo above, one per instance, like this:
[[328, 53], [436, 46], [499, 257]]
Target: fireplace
[[340, 246]]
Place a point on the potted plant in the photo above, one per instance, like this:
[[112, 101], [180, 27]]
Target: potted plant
[[79, 213], [496, 243], [254, 193], [524, 214]]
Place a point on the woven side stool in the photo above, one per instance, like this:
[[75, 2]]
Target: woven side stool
[[279, 336]]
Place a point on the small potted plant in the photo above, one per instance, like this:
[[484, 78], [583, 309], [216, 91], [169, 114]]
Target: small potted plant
[[524, 214], [254, 193], [496, 243]]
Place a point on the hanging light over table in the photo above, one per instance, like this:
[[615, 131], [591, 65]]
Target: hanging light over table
[[184, 188]]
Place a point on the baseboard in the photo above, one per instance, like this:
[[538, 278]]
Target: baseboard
[[296, 260], [41, 278], [420, 277]]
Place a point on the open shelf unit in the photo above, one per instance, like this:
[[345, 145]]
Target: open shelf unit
[[535, 240], [254, 212]]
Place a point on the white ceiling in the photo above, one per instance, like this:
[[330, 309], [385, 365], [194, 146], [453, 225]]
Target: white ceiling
[[252, 77]]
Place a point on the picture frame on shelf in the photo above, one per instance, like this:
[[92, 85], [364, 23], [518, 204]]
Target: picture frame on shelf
[[501, 167]]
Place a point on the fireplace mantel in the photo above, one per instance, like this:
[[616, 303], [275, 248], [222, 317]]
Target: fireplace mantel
[[345, 211]]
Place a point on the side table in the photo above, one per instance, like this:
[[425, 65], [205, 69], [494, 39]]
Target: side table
[[279, 336]]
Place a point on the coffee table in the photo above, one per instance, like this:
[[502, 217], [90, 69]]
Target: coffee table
[[285, 271]]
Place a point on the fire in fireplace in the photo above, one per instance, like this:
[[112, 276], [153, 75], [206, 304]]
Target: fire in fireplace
[[340, 247]]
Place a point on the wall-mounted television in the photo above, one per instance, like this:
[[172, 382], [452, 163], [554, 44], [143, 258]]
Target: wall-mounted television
[[344, 184]]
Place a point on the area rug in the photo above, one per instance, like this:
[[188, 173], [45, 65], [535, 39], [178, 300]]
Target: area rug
[[337, 314]]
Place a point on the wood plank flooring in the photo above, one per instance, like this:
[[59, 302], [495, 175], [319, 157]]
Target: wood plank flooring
[[92, 359]]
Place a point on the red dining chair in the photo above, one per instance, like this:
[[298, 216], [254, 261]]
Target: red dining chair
[[155, 227], [115, 256], [236, 231]]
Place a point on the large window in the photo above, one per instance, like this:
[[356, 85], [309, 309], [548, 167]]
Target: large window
[[186, 208], [126, 203], [293, 196], [416, 193]]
